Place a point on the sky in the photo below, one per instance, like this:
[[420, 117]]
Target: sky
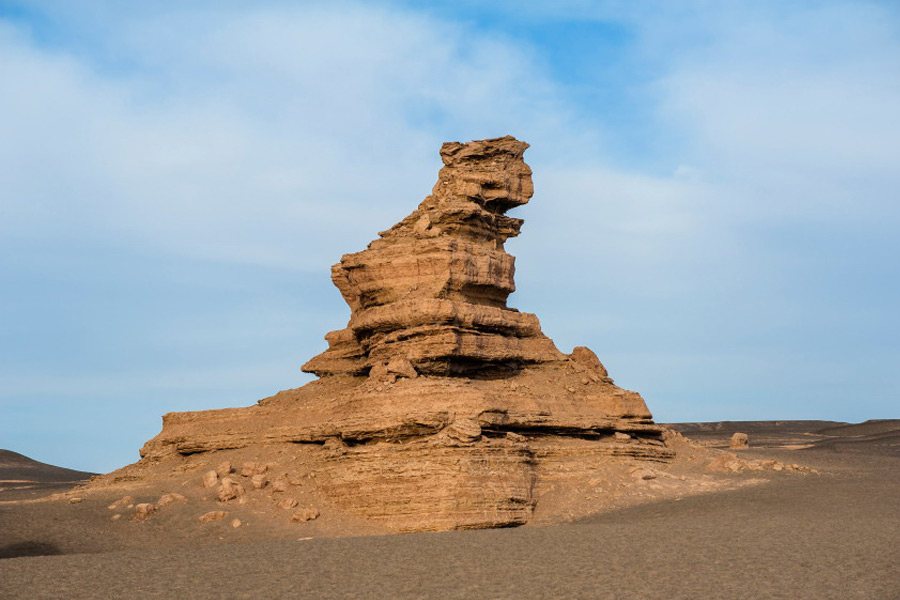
[[715, 215]]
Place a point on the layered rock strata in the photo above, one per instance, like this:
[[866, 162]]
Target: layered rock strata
[[438, 406]]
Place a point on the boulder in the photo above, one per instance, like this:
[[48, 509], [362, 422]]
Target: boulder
[[229, 490], [122, 502], [143, 511], [171, 498], [305, 514], [210, 479], [739, 441], [213, 515], [249, 469], [286, 503]]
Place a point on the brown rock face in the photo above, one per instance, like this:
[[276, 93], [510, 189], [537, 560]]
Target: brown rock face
[[438, 406], [740, 441], [430, 295]]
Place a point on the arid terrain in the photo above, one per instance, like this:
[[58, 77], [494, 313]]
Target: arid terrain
[[513, 469], [828, 528]]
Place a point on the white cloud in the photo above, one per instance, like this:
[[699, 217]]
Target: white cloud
[[266, 136]]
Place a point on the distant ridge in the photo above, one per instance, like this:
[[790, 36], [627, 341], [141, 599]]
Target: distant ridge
[[784, 426], [18, 467]]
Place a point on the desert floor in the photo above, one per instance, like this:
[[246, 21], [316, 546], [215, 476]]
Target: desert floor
[[831, 535]]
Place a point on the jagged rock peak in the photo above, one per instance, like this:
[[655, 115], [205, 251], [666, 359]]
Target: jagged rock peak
[[431, 291]]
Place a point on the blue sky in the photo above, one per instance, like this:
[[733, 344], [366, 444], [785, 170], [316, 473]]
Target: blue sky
[[716, 207]]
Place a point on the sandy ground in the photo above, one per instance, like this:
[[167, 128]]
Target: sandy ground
[[831, 535]]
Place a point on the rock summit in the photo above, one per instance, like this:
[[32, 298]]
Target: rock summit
[[438, 406]]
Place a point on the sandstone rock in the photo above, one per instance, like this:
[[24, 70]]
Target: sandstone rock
[[210, 479], [213, 515], [585, 357], [464, 430], [740, 441], [401, 367], [121, 502], [431, 293], [259, 481], [224, 469], [438, 406], [622, 437], [286, 503], [279, 485], [235, 523], [172, 498], [334, 446], [305, 514], [116, 517], [229, 490], [727, 463], [643, 473], [249, 469], [76, 500], [144, 511]]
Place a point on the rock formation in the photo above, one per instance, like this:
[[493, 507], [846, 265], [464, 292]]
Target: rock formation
[[438, 406]]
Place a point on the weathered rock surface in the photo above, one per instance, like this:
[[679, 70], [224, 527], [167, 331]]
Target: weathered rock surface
[[437, 406], [170, 498], [144, 511], [213, 515], [739, 441]]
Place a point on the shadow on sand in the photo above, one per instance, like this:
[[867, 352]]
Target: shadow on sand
[[29, 549]]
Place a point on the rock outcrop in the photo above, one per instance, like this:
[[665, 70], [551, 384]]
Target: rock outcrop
[[438, 406], [430, 295]]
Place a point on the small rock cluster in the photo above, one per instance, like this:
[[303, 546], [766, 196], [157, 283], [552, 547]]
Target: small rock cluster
[[141, 511], [729, 462], [231, 490]]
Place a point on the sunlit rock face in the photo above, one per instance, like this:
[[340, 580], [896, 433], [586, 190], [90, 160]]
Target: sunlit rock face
[[433, 288], [438, 406]]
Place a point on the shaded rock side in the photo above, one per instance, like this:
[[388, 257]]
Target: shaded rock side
[[439, 407]]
